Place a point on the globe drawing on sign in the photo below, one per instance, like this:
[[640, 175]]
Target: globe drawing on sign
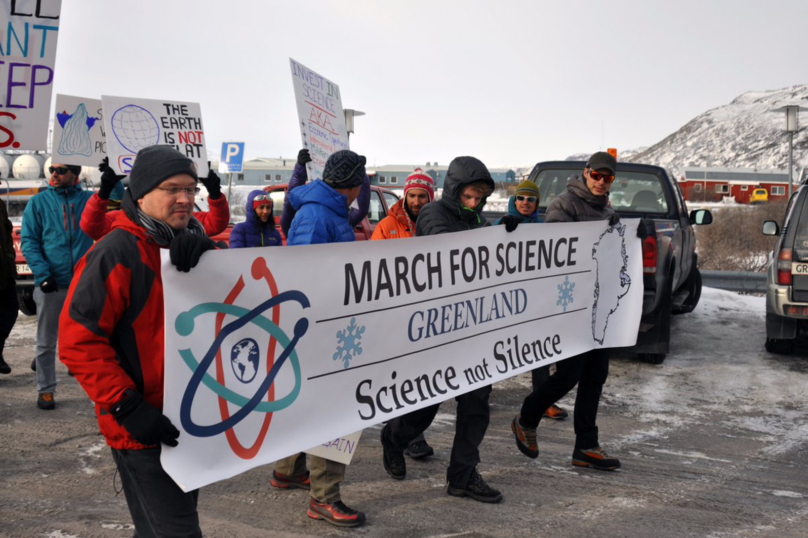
[[244, 360], [135, 128]]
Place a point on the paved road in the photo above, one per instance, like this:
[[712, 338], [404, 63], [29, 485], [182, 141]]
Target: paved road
[[713, 444]]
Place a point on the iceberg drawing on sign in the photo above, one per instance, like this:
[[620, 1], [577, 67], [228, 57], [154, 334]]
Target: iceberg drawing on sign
[[611, 282], [76, 132]]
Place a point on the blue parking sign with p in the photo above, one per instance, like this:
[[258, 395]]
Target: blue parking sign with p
[[232, 160]]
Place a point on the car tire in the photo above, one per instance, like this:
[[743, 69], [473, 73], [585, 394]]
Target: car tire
[[780, 347], [693, 285], [652, 358], [26, 301]]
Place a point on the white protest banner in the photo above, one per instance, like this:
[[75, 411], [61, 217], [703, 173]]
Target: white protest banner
[[269, 352], [133, 124], [78, 131], [319, 111], [30, 31]]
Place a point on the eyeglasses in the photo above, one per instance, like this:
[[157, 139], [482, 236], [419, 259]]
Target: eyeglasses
[[62, 170], [597, 176], [174, 191], [530, 199]]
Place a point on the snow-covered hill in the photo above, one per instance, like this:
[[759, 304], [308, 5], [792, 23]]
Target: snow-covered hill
[[743, 134]]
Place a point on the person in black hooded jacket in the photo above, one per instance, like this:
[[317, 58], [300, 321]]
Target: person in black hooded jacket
[[468, 184]]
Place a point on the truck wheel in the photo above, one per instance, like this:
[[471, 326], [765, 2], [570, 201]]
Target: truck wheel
[[693, 286], [780, 347], [652, 358], [26, 300]]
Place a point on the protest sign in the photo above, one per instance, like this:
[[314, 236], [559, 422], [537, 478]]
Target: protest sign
[[320, 115], [341, 449], [133, 124], [30, 33], [267, 355], [78, 131]]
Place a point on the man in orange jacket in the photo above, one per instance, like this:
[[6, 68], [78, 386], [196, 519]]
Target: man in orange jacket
[[419, 190]]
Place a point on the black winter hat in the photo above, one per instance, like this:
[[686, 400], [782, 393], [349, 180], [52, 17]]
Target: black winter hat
[[344, 169], [155, 164], [601, 160]]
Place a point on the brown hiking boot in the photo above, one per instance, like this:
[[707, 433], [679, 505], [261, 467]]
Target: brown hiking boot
[[281, 481], [525, 439], [335, 513], [45, 401], [556, 413]]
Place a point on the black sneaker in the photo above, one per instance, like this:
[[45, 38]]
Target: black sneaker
[[597, 458], [4, 367], [33, 364], [418, 449], [45, 401], [477, 489], [393, 459], [335, 513]]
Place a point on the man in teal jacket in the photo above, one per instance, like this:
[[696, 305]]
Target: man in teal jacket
[[53, 243]]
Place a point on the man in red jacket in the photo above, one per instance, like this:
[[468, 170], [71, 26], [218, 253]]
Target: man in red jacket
[[111, 335]]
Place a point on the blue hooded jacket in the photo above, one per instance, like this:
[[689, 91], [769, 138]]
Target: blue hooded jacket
[[534, 218], [52, 241], [321, 216], [252, 232]]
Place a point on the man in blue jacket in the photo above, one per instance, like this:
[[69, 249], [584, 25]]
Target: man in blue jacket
[[53, 243], [321, 216]]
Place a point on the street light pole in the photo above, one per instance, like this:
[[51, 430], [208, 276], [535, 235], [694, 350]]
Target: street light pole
[[791, 128], [350, 114]]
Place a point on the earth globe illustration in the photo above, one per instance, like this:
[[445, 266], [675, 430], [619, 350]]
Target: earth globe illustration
[[244, 359], [135, 128]]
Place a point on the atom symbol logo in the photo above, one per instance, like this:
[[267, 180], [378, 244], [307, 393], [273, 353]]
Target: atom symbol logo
[[263, 401]]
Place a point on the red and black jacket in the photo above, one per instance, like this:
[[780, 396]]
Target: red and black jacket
[[111, 329]]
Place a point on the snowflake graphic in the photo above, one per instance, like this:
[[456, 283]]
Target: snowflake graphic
[[565, 291], [349, 343]]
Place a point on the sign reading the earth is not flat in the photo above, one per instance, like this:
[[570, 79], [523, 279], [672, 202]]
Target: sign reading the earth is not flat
[[133, 124], [264, 360], [78, 131], [30, 32]]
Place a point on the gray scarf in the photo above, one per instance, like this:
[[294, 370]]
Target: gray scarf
[[158, 230]]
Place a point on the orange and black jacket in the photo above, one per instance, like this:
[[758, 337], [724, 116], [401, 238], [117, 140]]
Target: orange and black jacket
[[111, 328]]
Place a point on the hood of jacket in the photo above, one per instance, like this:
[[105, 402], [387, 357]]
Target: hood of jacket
[[534, 217], [317, 192], [252, 219], [577, 186], [464, 171]]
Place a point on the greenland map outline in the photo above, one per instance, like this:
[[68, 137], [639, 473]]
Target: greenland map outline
[[612, 282]]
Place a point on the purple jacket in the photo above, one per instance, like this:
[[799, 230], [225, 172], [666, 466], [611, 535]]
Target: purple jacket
[[299, 177], [252, 232]]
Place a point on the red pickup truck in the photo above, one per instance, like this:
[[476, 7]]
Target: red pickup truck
[[381, 200]]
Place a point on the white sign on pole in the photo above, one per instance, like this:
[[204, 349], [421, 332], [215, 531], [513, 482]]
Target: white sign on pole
[[78, 131], [30, 31], [132, 124], [263, 360], [320, 116]]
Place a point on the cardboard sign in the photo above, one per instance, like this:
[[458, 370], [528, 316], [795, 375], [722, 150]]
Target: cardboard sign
[[30, 31], [133, 124], [340, 449], [267, 355], [78, 131], [320, 117]]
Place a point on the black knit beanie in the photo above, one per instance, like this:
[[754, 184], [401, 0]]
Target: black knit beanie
[[155, 164], [344, 169]]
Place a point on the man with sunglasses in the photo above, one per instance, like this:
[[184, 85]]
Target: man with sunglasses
[[112, 333], [52, 244], [586, 199]]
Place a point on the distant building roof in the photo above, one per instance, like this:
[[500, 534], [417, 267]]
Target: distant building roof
[[735, 175]]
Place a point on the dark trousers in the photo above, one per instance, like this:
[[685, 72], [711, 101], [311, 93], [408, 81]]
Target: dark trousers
[[158, 506], [539, 375], [473, 414], [589, 371], [9, 309]]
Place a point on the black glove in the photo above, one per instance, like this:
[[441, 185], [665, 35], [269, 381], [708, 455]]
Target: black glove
[[303, 157], [108, 179], [143, 421], [642, 228], [614, 218], [187, 248], [510, 222], [212, 183], [49, 285]]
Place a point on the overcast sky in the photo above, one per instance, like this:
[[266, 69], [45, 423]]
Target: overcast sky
[[510, 82]]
